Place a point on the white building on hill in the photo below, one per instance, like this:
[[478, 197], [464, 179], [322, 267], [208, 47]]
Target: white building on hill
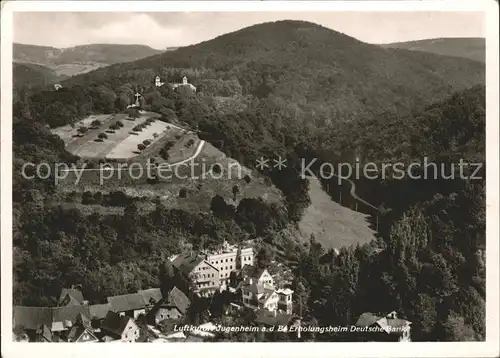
[[230, 258], [184, 83]]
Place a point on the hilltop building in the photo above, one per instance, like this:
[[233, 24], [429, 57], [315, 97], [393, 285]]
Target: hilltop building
[[229, 258], [158, 82]]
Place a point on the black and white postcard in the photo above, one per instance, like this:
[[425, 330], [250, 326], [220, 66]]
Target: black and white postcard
[[250, 172]]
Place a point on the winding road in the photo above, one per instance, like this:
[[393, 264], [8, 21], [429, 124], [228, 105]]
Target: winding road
[[352, 192]]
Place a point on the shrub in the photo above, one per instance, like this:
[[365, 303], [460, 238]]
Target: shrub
[[190, 143], [155, 135], [102, 136], [137, 128], [83, 130], [141, 146], [96, 123], [119, 124], [146, 142], [247, 178]]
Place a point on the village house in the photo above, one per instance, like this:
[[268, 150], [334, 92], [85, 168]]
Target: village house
[[174, 306], [82, 331], [204, 275], [258, 291], [151, 296], [229, 258], [71, 297], [98, 312], [44, 335], [131, 304], [57, 319], [375, 328], [119, 327]]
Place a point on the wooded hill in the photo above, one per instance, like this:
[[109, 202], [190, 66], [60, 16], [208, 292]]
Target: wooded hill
[[102, 53], [473, 48]]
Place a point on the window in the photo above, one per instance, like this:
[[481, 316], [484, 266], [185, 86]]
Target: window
[[231, 259], [231, 267]]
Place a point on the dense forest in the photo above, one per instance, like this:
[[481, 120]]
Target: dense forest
[[425, 263]]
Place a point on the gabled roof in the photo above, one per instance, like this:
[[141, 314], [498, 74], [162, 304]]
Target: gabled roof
[[175, 299], [32, 317], [76, 332], [367, 319], [187, 262], [178, 299], [114, 323], [75, 297], [99, 311], [44, 332], [390, 325], [254, 288], [53, 317], [68, 313], [151, 295], [129, 302], [252, 271]]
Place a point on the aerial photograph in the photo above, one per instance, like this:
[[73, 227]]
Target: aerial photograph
[[248, 177]]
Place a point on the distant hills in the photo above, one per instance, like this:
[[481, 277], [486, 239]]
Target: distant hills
[[316, 68], [471, 48], [79, 59], [33, 75]]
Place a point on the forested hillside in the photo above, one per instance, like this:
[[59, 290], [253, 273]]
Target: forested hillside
[[28, 75], [472, 48], [102, 53]]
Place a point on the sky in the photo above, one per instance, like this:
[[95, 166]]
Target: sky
[[168, 29]]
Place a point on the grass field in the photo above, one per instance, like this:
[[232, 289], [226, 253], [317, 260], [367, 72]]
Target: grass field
[[332, 224]]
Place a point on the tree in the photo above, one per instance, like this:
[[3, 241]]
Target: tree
[[102, 136], [96, 123], [264, 257], [82, 130], [167, 277], [456, 330], [141, 146]]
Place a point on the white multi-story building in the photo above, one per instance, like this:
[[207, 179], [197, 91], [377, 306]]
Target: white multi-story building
[[258, 291], [230, 258]]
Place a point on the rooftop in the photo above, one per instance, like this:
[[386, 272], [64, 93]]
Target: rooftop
[[129, 302], [114, 323]]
